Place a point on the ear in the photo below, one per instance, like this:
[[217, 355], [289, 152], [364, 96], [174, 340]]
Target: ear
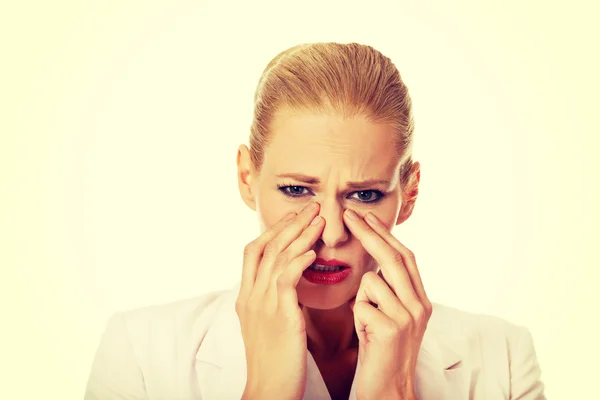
[[410, 192], [246, 174]]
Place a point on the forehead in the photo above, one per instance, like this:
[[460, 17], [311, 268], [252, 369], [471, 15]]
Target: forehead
[[317, 143]]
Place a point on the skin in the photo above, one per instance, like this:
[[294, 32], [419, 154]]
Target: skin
[[341, 321]]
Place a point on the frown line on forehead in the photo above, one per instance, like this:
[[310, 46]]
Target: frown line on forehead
[[311, 180]]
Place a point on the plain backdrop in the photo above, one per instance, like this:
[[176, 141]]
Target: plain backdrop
[[120, 124]]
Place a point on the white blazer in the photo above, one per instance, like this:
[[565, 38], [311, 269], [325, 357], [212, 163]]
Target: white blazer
[[193, 349]]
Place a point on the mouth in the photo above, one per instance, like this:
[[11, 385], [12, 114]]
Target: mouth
[[324, 268], [327, 272], [333, 265]]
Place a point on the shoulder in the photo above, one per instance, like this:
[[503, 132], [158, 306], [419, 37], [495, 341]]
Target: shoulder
[[166, 334], [144, 350], [499, 349], [187, 315], [460, 325], [476, 334]]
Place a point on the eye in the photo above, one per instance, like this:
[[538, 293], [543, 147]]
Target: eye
[[368, 196], [362, 196], [292, 190]]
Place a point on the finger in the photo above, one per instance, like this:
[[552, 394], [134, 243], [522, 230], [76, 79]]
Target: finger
[[388, 258], [285, 288], [407, 255], [253, 253], [374, 290], [299, 246], [360, 302], [280, 243], [370, 322]]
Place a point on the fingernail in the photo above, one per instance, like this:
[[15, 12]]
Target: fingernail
[[289, 216], [351, 215], [316, 220], [371, 218]]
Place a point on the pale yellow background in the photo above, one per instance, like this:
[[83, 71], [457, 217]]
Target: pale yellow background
[[119, 126]]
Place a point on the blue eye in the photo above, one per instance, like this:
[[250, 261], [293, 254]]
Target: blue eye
[[364, 196], [292, 191], [369, 196]]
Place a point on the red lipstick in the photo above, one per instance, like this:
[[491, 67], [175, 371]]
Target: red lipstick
[[331, 263], [315, 273]]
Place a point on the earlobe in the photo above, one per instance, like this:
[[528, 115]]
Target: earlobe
[[245, 176], [405, 212]]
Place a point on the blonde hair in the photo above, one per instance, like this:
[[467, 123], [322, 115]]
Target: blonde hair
[[345, 79]]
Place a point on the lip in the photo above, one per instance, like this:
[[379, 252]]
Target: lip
[[329, 277], [326, 278], [331, 263]]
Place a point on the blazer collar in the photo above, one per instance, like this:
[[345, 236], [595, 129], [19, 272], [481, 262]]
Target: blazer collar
[[221, 361]]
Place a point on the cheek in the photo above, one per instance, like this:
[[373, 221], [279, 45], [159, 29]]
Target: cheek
[[267, 208], [388, 213], [272, 208], [268, 218], [389, 223], [387, 218]]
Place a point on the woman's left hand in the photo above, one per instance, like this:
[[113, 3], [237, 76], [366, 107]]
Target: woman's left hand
[[391, 312]]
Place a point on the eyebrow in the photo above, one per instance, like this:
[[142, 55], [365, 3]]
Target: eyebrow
[[311, 180]]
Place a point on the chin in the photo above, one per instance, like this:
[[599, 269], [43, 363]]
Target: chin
[[324, 297]]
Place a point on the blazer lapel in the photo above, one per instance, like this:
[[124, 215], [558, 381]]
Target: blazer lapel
[[221, 357], [221, 361], [440, 372]]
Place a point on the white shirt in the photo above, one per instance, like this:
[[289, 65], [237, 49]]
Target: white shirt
[[193, 349]]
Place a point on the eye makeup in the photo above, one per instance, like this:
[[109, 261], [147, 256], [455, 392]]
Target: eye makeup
[[365, 196]]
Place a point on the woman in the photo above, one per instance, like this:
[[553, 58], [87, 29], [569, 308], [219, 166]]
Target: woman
[[331, 304]]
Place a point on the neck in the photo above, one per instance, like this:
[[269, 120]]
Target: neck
[[330, 333]]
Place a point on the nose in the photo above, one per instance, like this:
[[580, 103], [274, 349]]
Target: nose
[[335, 231]]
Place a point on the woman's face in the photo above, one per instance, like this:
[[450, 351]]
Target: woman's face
[[341, 164]]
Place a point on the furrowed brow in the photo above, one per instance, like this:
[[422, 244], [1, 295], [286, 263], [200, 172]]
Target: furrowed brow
[[311, 180], [367, 184]]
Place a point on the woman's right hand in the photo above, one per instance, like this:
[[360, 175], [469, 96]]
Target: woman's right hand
[[271, 320]]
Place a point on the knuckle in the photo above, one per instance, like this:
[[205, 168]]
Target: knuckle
[[404, 318], [250, 249], [420, 314], [370, 275], [411, 255], [239, 307], [428, 307], [282, 282], [397, 257], [281, 260], [271, 249]]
